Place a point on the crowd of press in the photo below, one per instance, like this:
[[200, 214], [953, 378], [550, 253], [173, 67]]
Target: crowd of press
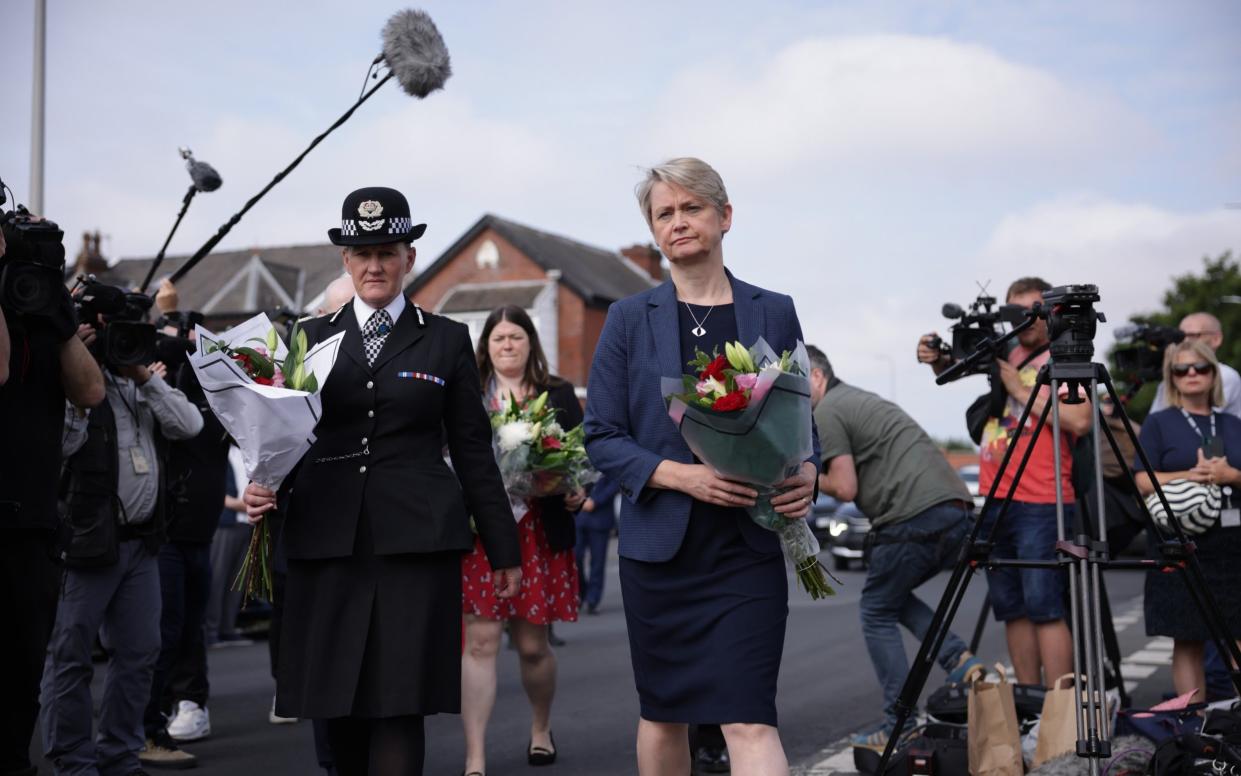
[[126, 513]]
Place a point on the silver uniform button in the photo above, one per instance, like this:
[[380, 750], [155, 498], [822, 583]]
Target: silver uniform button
[[364, 440], [370, 384], [361, 470], [370, 413]]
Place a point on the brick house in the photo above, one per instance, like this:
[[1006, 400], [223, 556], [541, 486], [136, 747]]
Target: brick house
[[565, 285]]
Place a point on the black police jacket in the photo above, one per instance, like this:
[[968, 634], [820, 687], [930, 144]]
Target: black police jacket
[[379, 448]]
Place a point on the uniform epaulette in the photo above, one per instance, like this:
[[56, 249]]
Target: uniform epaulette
[[422, 323]]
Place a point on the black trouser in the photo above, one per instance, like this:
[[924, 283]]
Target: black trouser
[[392, 746], [29, 590], [185, 585]]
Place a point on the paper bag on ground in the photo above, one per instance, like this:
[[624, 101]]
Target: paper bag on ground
[[994, 737], [1057, 732]]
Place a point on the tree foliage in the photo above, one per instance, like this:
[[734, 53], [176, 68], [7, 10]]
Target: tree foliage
[[1215, 290]]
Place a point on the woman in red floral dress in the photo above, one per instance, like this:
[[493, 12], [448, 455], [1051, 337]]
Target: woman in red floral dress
[[511, 363]]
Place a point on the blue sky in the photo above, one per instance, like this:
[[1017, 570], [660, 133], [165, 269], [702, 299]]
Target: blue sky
[[881, 157]]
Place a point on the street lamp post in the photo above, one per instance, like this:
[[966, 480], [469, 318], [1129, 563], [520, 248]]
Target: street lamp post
[[36, 112]]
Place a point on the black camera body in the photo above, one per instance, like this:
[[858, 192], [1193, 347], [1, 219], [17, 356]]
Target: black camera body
[[125, 338], [978, 329], [173, 349], [1140, 359], [1071, 322], [32, 268]]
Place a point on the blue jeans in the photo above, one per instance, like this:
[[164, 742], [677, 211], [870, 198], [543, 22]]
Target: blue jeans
[[903, 557], [120, 603], [1028, 532]]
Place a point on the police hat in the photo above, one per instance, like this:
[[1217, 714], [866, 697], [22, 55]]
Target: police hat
[[373, 216]]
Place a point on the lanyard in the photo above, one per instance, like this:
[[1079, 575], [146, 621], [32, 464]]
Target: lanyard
[[133, 411], [1198, 430]]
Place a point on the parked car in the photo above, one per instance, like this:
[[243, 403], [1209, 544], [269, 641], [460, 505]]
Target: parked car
[[840, 528], [969, 473]]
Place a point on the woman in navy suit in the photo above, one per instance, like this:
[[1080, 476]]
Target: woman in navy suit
[[705, 589]]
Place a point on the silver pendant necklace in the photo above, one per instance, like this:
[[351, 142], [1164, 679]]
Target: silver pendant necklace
[[698, 330]]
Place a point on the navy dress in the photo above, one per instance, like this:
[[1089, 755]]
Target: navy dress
[[1172, 445], [706, 628]]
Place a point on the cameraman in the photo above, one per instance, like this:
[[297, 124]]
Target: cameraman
[[1030, 602], [41, 364], [920, 513], [1204, 327], [114, 499]]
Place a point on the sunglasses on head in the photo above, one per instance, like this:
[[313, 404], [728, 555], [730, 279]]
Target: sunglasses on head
[[1201, 368]]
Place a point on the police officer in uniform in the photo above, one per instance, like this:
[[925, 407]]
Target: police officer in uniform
[[376, 520]]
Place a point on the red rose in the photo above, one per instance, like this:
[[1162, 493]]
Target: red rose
[[262, 380], [715, 369], [551, 443], [737, 400]]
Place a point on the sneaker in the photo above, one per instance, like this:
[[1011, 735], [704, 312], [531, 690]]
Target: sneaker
[[161, 752], [275, 718], [191, 722], [876, 740], [968, 666]]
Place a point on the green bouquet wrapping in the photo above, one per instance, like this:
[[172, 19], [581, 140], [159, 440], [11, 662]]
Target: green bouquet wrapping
[[746, 414]]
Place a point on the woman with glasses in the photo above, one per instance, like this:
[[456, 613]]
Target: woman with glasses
[[1193, 440]]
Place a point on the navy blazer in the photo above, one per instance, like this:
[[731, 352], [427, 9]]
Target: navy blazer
[[628, 431]]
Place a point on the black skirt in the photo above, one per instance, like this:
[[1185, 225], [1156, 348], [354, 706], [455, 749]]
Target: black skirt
[[371, 635], [706, 629], [1169, 607]]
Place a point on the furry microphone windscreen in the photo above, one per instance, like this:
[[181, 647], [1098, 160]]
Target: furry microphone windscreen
[[416, 53]]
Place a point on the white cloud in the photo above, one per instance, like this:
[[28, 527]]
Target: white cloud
[[898, 98]]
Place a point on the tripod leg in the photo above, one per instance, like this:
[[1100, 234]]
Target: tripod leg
[[983, 614]]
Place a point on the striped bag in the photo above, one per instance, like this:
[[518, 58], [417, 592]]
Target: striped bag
[[1195, 504]]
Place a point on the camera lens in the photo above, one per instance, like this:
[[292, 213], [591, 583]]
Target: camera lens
[[28, 288], [128, 343]]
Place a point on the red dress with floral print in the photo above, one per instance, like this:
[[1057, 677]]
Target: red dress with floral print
[[549, 585]]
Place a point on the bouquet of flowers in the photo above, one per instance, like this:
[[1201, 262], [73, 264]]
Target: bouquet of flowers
[[266, 395], [746, 414], [537, 457]]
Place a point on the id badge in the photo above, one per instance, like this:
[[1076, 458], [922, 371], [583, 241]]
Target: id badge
[[1230, 518], [139, 461]]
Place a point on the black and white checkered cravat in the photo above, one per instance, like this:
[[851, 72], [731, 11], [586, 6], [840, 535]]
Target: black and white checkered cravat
[[374, 333]]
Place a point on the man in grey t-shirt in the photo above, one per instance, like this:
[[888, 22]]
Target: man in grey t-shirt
[[877, 456]]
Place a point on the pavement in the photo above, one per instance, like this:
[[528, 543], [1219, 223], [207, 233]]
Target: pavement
[[827, 690]]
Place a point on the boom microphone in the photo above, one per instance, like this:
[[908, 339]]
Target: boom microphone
[[415, 53], [204, 175], [416, 56]]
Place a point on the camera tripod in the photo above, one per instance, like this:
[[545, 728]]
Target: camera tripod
[[1082, 557]]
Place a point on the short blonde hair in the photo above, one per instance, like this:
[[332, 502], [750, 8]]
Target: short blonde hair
[[694, 175], [1173, 394]]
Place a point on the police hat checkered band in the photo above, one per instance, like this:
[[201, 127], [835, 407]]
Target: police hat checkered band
[[400, 225], [348, 227]]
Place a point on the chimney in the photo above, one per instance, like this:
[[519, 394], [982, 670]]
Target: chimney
[[648, 258], [90, 259]]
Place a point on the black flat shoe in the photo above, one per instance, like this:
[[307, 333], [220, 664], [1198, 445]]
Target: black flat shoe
[[537, 755]]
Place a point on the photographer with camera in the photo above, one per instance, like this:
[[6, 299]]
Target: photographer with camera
[[1030, 602], [42, 364], [877, 456], [115, 493], [1206, 328]]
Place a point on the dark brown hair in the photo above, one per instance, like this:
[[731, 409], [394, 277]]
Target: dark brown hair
[[537, 375], [1026, 285]]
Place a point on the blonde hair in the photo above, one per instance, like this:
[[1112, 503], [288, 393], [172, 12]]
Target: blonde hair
[[694, 175], [1173, 394]]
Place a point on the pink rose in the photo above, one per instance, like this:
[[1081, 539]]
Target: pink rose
[[746, 382], [277, 379]]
